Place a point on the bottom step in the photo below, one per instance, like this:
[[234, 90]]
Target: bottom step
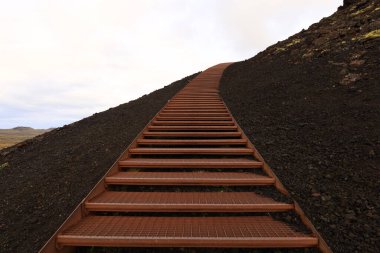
[[137, 231]]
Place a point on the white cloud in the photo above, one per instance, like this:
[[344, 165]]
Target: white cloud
[[64, 60]]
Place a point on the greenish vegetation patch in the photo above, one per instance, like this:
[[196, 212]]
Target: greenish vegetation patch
[[293, 42], [3, 166], [362, 10], [372, 34]]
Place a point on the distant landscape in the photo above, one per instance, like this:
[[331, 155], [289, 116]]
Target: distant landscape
[[9, 137]]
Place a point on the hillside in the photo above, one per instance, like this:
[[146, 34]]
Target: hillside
[[44, 178], [310, 104], [10, 137]]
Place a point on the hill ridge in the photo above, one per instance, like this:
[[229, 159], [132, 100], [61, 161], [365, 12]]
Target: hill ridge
[[335, 93]]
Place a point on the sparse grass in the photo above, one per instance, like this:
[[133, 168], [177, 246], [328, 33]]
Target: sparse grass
[[362, 10], [372, 34], [280, 49], [293, 42], [9, 137]]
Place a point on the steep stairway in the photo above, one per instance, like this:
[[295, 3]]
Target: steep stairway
[[191, 178]]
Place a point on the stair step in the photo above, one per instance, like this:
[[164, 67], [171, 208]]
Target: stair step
[[192, 110], [113, 201], [146, 231], [188, 178], [198, 104], [194, 118], [194, 134], [189, 163], [204, 107], [197, 95], [191, 142], [187, 123], [205, 114], [203, 151], [195, 100], [192, 127]]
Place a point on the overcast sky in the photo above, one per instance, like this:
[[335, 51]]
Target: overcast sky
[[61, 61]]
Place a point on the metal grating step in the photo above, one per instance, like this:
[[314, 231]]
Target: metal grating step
[[205, 128], [184, 142], [187, 123], [188, 178], [188, 114], [194, 118], [194, 134], [189, 163], [113, 201], [205, 151], [124, 231]]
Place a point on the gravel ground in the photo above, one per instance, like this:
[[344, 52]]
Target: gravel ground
[[313, 111]]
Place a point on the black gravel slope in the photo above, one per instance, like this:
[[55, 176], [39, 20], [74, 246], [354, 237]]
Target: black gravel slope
[[313, 111], [43, 179], [310, 104]]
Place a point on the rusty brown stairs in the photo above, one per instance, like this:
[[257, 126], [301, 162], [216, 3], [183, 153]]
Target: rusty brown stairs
[[191, 178]]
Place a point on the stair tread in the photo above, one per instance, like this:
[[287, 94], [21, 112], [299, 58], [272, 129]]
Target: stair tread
[[225, 151], [211, 114], [186, 123], [194, 134], [192, 142], [189, 178], [124, 231], [207, 118], [192, 127], [115, 201], [189, 163]]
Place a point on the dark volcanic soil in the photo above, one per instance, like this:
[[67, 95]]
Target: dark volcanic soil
[[43, 179], [311, 105]]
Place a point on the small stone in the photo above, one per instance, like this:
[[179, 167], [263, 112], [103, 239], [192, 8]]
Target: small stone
[[325, 198], [316, 194], [321, 41], [343, 72], [350, 216], [350, 78], [4, 165], [357, 63]]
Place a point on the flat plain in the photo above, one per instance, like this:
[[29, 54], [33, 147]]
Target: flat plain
[[10, 137]]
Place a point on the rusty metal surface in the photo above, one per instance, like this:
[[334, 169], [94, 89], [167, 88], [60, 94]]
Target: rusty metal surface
[[193, 134], [191, 128], [187, 123], [204, 151], [199, 142], [189, 178], [174, 149], [193, 118], [184, 232], [113, 201], [190, 163]]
